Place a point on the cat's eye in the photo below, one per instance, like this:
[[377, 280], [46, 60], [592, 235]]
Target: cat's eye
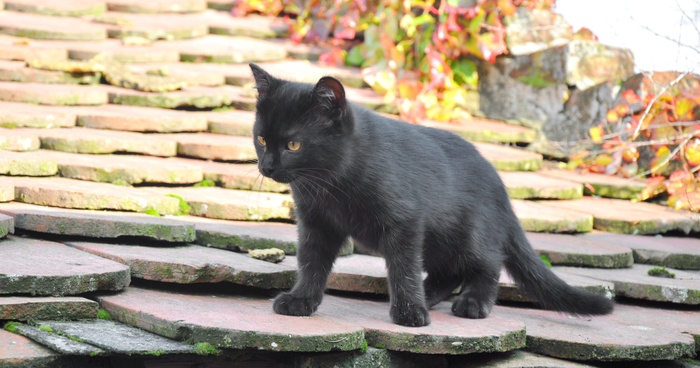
[[293, 145], [261, 140]]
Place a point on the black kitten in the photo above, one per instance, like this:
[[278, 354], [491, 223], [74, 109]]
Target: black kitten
[[425, 198]]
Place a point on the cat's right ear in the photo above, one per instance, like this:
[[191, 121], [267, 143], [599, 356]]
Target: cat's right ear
[[263, 80]]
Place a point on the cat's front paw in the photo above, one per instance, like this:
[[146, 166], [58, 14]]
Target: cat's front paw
[[290, 305], [410, 315]]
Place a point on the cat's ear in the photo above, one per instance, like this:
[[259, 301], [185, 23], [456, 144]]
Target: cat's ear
[[263, 80], [330, 92]]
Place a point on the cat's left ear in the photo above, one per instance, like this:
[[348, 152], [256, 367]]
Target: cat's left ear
[[330, 92], [263, 80]]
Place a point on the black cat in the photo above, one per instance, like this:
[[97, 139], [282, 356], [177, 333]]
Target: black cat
[[425, 198]]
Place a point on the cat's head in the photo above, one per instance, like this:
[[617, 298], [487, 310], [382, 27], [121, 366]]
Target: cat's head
[[301, 130]]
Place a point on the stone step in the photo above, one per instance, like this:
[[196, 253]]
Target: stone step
[[7, 225], [193, 264], [52, 94], [35, 163], [115, 50], [214, 147], [372, 357], [17, 71], [517, 359], [97, 141], [58, 343], [21, 49], [157, 6], [24, 308], [254, 26], [78, 194], [240, 322], [234, 175], [599, 184], [20, 115], [50, 28], [530, 185], [229, 204], [301, 50], [97, 224], [225, 49], [569, 250], [19, 351], [635, 283], [235, 122], [38, 267], [139, 119], [18, 140], [622, 216], [508, 290], [537, 217], [68, 8], [304, 71], [191, 73], [154, 26], [668, 251], [621, 336], [510, 159], [486, 130], [194, 96], [7, 192]]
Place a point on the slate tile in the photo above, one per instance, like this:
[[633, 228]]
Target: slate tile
[[224, 49], [509, 291], [52, 94], [254, 26], [7, 225], [18, 71], [97, 141], [531, 185], [24, 308], [157, 6], [486, 130], [237, 122], [192, 96], [304, 71], [139, 119], [668, 251], [49, 28], [58, 343], [66, 8], [232, 175], [17, 351], [537, 217], [576, 251], [510, 159], [18, 140], [214, 146], [34, 163], [599, 184], [20, 115]]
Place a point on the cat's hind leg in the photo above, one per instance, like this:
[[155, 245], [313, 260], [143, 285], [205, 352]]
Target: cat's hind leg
[[478, 294], [439, 288]]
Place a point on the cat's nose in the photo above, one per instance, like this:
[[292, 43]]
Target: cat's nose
[[267, 170]]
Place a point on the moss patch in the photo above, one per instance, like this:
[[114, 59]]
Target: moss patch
[[661, 272], [184, 207], [11, 326], [205, 348], [103, 314]]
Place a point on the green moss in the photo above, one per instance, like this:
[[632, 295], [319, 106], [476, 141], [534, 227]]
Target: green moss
[[205, 348], [156, 352], [364, 346], [103, 314], [46, 328], [224, 109], [545, 259], [11, 326], [152, 212], [205, 183], [379, 346], [661, 272], [184, 207], [537, 81]]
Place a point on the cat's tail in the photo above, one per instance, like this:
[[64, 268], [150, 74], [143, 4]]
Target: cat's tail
[[548, 290]]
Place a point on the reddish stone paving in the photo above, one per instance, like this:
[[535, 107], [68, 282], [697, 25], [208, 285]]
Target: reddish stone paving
[[674, 252], [32, 163], [214, 147], [579, 251], [21, 115], [509, 291], [538, 217], [49, 28], [157, 6], [139, 119], [531, 185], [18, 351], [234, 175], [231, 122], [244, 235], [97, 141], [24, 308], [598, 184], [52, 94]]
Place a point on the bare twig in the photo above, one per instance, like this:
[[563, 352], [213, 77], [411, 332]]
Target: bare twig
[[653, 101]]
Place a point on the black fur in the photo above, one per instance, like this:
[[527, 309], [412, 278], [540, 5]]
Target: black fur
[[425, 198]]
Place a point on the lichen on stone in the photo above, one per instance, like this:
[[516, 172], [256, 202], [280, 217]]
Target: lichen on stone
[[273, 255]]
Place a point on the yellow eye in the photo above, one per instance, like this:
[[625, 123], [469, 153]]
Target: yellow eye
[[261, 140], [293, 146]]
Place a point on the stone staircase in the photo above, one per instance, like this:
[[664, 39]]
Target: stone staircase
[[140, 206]]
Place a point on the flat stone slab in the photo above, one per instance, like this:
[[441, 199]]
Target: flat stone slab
[[209, 146], [38, 267], [27, 164], [18, 71], [116, 50], [355, 273], [22, 308], [222, 23], [7, 193], [140, 119], [510, 159], [19, 115], [18, 49], [517, 359], [49, 28], [225, 49], [570, 250], [230, 321], [193, 264], [635, 283], [486, 130], [79, 194], [58, 343], [97, 224], [193, 96], [118, 338], [537, 217], [372, 357], [156, 26], [244, 235], [302, 50], [97, 141], [304, 71], [19, 351], [194, 74], [509, 291], [70, 8], [125, 169], [601, 338], [622, 216], [157, 6], [599, 184], [229, 204], [531, 185], [52, 94], [234, 175], [668, 251], [18, 140], [235, 122], [7, 225], [678, 320]]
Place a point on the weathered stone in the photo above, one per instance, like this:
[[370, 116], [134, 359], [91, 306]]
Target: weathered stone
[[19, 351], [516, 359], [49, 28], [199, 97], [372, 357], [7, 225], [17, 140], [117, 51], [215, 147], [576, 251], [674, 252], [302, 50], [157, 6], [21, 49], [488, 131], [537, 217], [533, 30], [58, 343], [232, 204], [234, 175], [23, 308], [96, 141], [508, 290], [304, 71], [7, 192], [39, 267], [678, 320], [19, 115], [154, 26], [224, 49], [644, 84], [191, 73], [602, 338], [249, 26], [74, 8], [139, 119], [17, 71], [637, 284], [52, 94], [589, 63], [193, 264], [359, 273], [242, 236], [510, 159], [240, 323], [69, 193], [529, 185], [97, 224], [599, 184], [27, 164], [620, 216], [223, 5], [236, 122], [272, 255], [118, 338]]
